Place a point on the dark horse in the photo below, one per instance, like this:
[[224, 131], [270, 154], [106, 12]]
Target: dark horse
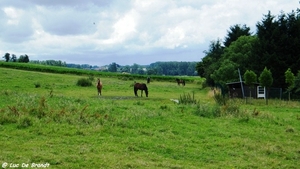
[[140, 86], [180, 81], [99, 87], [148, 79]]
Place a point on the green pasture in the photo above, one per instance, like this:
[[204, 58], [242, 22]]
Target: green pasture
[[47, 118]]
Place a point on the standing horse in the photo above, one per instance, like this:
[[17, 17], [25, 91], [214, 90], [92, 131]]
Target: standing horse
[[140, 86], [148, 79], [99, 87], [180, 81]]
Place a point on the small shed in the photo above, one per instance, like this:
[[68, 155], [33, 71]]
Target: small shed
[[235, 90]]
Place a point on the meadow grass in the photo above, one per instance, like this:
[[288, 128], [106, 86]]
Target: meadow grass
[[69, 126]]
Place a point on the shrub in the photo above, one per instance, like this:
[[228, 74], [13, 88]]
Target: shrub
[[84, 82]]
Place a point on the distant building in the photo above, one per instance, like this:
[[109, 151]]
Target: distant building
[[235, 90], [257, 91]]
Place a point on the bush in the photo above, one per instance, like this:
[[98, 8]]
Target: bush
[[84, 82]]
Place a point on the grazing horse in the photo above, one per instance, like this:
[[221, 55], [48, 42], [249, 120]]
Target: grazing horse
[[140, 86], [148, 79], [180, 81], [99, 87]]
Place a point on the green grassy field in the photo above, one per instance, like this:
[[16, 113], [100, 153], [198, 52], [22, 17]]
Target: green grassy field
[[67, 126]]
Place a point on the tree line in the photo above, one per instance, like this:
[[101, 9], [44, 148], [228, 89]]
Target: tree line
[[171, 68], [158, 68], [14, 58], [275, 46]]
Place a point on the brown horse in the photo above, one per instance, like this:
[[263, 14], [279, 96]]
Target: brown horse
[[140, 86], [99, 87], [179, 81]]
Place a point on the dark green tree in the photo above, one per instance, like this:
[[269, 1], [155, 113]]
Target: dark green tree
[[240, 52], [6, 57], [235, 32], [227, 72], [112, 67], [23, 59], [26, 59], [134, 68], [297, 84], [278, 45], [13, 58], [266, 80], [210, 62], [250, 78], [151, 71], [290, 80], [126, 69], [140, 71]]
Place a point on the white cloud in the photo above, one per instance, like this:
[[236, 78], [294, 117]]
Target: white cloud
[[124, 28], [125, 32]]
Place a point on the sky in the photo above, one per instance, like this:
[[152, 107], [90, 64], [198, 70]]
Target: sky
[[126, 32]]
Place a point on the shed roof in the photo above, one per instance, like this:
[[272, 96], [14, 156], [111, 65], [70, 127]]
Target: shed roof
[[232, 83]]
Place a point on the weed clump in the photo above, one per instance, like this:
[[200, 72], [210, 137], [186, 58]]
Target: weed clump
[[84, 82], [220, 99], [24, 122], [37, 84], [188, 99], [205, 110], [7, 119]]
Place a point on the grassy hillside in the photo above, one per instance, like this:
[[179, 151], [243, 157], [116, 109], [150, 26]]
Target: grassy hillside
[[67, 126], [74, 71]]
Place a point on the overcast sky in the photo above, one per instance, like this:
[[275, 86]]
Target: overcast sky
[[99, 32]]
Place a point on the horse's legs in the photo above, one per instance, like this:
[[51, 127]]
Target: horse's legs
[[99, 91], [135, 92]]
